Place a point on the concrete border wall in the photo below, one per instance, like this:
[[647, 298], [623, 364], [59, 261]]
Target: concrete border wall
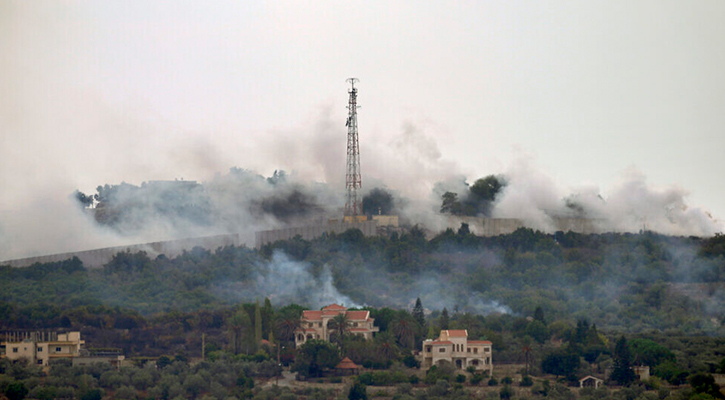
[[484, 226], [98, 257], [368, 228]]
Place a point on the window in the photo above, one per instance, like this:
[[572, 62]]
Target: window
[[487, 349], [428, 349], [474, 362], [310, 325], [40, 349], [442, 350], [319, 324], [58, 349], [40, 362], [475, 350], [15, 349]]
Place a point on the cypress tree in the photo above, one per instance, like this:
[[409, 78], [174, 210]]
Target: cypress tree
[[267, 318], [539, 315], [257, 323], [418, 313], [445, 320], [622, 372]]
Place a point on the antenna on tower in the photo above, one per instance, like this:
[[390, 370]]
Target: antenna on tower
[[353, 179]]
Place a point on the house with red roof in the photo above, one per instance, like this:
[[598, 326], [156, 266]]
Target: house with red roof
[[316, 324], [453, 346]]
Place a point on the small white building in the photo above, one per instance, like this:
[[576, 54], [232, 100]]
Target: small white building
[[40, 347], [453, 346]]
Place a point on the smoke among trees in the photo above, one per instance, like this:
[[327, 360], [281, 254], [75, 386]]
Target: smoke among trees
[[378, 201], [187, 207], [477, 200]]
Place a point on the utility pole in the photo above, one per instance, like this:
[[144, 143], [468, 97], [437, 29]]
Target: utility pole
[[353, 179], [203, 346], [279, 364]]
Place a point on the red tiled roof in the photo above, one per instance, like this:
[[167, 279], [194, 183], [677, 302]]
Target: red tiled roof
[[334, 307], [439, 342], [457, 333], [358, 315], [479, 342], [347, 363], [311, 315]]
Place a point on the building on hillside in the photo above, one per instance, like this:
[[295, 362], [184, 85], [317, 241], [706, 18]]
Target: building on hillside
[[591, 381], [41, 347], [454, 347], [87, 357], [318, 324], [642, 372]]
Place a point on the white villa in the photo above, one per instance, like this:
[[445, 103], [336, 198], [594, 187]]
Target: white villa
[[316, 324], [453, 346]]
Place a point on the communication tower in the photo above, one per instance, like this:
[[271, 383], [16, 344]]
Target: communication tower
[[353, 179]]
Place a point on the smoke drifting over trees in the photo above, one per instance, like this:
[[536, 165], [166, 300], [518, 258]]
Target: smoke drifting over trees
[[477, 200], [378, 201]]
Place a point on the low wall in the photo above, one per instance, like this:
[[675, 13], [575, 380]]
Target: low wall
[[368, 228], [484, 226], [99, 257]]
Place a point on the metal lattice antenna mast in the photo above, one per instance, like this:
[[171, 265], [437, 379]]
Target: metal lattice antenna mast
[[353, 179]]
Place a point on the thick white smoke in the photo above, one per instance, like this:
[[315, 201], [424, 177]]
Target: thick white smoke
[[285, 280], [630, 205]]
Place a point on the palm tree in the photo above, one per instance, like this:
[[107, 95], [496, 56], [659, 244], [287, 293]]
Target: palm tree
[[386, 345], [403, 330], [340, 326], [238, 326], [286, 328], [526, 351]]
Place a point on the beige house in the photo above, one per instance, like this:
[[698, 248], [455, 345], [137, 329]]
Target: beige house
[[317, 324], [453, 346], [41, 347]]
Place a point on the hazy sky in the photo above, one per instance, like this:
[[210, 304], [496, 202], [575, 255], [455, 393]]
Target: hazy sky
[[95, 92]]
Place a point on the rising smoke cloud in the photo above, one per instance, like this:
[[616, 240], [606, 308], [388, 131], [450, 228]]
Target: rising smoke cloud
[[285, 281], [630, 205]]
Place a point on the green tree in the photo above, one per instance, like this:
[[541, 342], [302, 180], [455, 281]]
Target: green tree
[[238, 327], [16, 391], [561, 363], [705, 383], [93, 394], [450, 204], [647, 352], [622, 372], [358, 391], [404, 330], [445, 320], [315, 356], [340, 326], [537, 330], [286, 327], [267, 318], [418, 313], [257, 323], [539, 315]]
